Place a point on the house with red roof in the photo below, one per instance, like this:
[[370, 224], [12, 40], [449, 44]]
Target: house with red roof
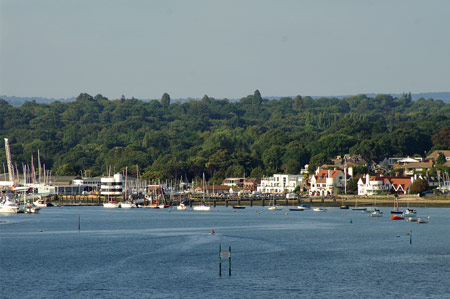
[[325, 182], [377, 184], [401, 185], [368, 185]]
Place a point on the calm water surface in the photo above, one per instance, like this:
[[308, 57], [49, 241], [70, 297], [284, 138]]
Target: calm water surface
[[144, 253]]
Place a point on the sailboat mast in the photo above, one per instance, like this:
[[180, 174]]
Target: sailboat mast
[[39, 166], [8, 159]]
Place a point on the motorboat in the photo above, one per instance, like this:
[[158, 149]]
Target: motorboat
[[356, 208], [344, 207], [40, 203], [29, 209], [7, 206], [376, 213], [397, 217], [301, 207], [319, 210], [127, 205], [409, 212], [273, 208], [421, 220], [181, 207], [111, 204], [359, 209], [238, 207], [298, 208], [201, 208]]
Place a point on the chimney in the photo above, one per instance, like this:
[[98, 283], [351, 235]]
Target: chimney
[[329, 173]]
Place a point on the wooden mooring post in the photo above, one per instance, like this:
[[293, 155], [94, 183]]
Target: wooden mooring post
[[224, 254]]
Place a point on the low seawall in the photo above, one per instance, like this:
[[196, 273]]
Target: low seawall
[[335, 201]]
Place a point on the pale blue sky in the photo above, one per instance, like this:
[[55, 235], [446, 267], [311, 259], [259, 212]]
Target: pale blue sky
[[225, 49]]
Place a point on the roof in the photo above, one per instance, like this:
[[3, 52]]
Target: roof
[[408, 160], [252, 181], [213, 187], [435, 154], [400, 181], [375, 178], [419, 165], [323, 175]]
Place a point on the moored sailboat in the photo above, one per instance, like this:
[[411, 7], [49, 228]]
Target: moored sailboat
[[202, 206]]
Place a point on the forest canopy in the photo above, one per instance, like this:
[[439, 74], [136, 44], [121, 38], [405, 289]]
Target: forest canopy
[[252, 137]]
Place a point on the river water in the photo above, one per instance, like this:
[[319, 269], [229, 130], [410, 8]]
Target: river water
[[144, 253]]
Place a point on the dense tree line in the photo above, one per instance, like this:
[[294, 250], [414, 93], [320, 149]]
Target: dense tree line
[[252, 137]]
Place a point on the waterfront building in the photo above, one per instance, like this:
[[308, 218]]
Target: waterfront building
[[234, 182], [325, 182], [112, 185], [214, 189], [280, 183], [251, 184], [376, 185], [368, 185]]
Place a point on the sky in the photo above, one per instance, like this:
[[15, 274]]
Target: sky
[[223, 49]]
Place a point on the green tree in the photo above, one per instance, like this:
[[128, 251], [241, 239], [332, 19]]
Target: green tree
[[441, 159], [316, 161], [165, 100], [257, 99], [418, 186], [442, 137]]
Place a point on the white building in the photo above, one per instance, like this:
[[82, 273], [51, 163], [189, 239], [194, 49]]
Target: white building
[[112, 185], [373, 185], [325, 182], [280, 183]]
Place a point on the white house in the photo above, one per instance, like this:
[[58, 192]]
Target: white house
[[325, 181], [373, 185], [280, 183]]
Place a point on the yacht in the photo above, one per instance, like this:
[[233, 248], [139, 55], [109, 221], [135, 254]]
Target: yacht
[[111, 204], [7, 206]]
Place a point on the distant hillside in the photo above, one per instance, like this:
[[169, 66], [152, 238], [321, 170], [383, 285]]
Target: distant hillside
[[18, 101], [444, 96]]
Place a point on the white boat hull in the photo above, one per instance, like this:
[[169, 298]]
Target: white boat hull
[[9, 210], [8, 207], [40, 204], [109, 205], [201, 208], [273, 208], [126, 205], [181, 207]]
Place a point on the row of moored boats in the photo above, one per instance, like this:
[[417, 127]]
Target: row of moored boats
[[14, 206]]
